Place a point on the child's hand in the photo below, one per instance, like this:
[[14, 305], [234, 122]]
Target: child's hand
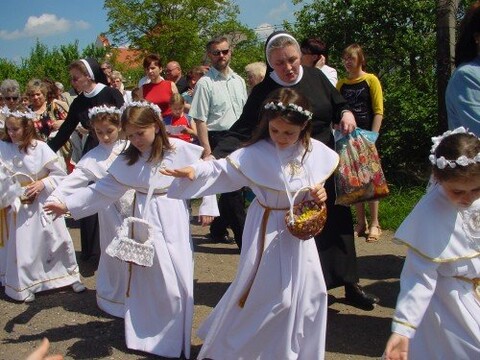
[[396, 348], [34, 189], [55, 208], [205, 220], [186, 172], [318, 193]]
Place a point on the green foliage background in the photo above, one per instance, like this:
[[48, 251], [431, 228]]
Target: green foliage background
[[398, 38]]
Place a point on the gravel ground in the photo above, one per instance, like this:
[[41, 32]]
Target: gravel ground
[[77, 329]]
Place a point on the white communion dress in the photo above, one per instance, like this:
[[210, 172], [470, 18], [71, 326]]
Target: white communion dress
[[438, 307], [276, 307], [111, 276], [159, 300], [38, 252]]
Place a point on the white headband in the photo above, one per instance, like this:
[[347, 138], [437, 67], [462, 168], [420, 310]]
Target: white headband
[[29, 114], [103, 109], [150, 105], [274, 37], [441, 162], [89, 68]]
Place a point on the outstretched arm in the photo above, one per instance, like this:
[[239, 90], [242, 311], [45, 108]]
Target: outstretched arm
[[186, 172]]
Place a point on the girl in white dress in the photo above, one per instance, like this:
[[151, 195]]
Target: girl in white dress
[[37, 253], [111, 273], [276, 308], [159, 300], [438, 308]]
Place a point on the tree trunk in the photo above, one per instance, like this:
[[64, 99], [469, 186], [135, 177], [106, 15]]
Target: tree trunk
[[446, 26]]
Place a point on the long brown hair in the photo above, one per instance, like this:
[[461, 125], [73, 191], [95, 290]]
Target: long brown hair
[[29, 131], [143, 117], [285, 96]]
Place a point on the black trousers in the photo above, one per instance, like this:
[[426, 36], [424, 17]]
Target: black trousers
[[336, 243], [230, 205]]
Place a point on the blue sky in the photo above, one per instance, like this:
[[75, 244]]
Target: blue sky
[[57, 22]]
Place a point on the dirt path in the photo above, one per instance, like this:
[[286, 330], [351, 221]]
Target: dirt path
[[79, 330]]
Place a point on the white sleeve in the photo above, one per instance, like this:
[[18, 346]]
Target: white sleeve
[[77, 179], [417, 285], [88, 201], [55, 175], [209, 206], [211, 177]]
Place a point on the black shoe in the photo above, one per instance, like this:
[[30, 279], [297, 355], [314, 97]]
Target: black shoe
[[221, 239], [356, 296]]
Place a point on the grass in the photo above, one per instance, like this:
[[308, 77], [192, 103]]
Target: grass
[[396, 206]]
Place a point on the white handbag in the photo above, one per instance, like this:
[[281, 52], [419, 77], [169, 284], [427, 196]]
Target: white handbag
[[133, 242]]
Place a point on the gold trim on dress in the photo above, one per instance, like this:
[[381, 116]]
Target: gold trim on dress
[[436, 260], [404, 323]]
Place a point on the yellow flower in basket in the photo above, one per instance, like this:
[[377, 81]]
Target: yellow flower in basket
[[306, 219]]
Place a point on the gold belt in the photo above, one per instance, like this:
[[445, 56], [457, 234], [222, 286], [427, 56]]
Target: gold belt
[[263, 231], [475, 283]]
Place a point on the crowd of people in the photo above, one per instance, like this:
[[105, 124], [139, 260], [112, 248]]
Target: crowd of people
[[115, 158]]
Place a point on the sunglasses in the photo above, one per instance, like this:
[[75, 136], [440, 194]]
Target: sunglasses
[[10, 98], [218, 52]]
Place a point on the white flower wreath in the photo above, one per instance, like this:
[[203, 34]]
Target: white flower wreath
[[441, 162], [289, 107], [103, 109]]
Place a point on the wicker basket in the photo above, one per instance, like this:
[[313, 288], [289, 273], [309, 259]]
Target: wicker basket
[[308, 220]]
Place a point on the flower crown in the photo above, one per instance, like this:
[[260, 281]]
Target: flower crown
[[441, 162], [279, 106], [29, 114], [103, 109], [144, 103]]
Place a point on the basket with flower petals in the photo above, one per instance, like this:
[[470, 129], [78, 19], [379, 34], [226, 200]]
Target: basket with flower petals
[[306, 219]]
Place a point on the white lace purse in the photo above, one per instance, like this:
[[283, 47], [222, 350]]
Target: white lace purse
[[133, 242]]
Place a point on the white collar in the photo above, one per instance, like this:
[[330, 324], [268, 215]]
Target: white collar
[[98, 87], [279, 81]]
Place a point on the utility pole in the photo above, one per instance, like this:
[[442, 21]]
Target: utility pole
[[446, 35]]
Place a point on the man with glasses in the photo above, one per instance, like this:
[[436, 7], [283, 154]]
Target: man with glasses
[[173, 72], [217, 103]]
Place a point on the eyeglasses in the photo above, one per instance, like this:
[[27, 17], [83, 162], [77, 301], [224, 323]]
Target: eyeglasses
[[10, 98], [168, 71], [218, 52], [104, 68]]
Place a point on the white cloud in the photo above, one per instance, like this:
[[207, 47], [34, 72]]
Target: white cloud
[[263, 30], [279, 13], [43, 26]]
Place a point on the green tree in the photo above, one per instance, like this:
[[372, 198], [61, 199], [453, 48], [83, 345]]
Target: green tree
[[399, 40], [178, 30]]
